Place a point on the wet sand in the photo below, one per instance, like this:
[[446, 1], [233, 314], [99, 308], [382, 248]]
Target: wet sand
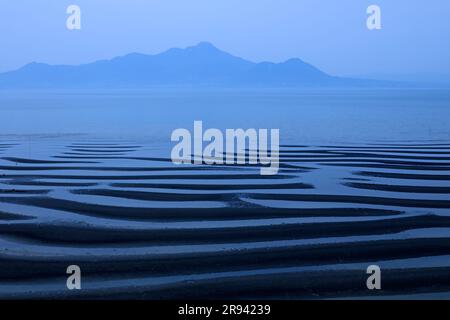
[[142, 228]]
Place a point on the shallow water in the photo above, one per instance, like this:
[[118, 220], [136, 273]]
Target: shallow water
[[86, 179], [303, 116]]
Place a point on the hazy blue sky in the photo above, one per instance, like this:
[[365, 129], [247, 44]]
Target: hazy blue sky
[[330, 34]]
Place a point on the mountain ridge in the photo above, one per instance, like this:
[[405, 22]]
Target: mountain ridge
[[199, 65]]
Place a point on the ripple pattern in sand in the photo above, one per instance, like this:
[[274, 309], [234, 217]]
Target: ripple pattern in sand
[[140, 227]]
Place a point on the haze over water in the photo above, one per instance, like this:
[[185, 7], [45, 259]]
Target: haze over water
[[303, 115]]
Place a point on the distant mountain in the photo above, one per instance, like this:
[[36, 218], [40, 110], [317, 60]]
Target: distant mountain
[[200, 65]]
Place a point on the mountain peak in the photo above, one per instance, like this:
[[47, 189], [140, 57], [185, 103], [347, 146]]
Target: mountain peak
[[204, 45], [294, 60], [204, 49]]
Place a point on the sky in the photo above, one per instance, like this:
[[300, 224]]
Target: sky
[[330, 34]]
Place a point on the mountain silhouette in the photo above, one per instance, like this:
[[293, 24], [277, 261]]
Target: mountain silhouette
[[200, 65]]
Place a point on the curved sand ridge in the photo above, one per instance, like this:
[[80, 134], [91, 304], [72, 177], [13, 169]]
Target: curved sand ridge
[[140, 227]]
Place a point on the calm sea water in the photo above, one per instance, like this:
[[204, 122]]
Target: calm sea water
[[304, 116]]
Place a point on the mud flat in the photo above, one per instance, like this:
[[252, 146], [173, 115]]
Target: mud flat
[[141, 228]]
